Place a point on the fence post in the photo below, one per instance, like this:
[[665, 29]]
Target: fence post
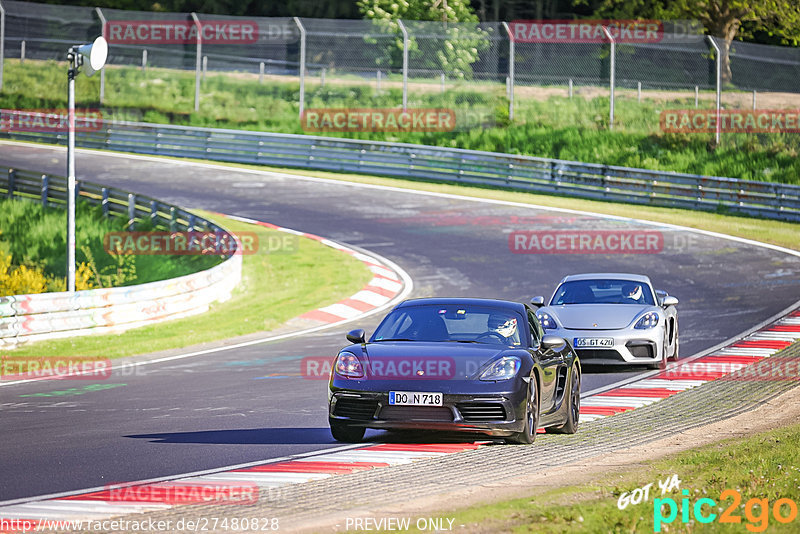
[[173, 219], [754, 99], [153, 213], [103, 23], [12, 178], [104, 193], [639, 92], [696, 96], [570, 88], [442, 78], [197, 61], [378, 81], [45, 189], [302, 30], [405, 62], [322, 77], [612, 69], [261, 72], [131, 212], [144, 60], [2, 42], [511, 62], [719, 83], [205, 66], [22, 52]]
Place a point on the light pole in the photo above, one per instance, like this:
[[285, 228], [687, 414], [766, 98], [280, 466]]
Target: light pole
[[96, 53]]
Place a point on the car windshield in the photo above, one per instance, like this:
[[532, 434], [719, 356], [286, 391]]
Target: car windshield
[[451, 323], [603, 292]]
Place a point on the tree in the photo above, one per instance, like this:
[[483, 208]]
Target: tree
[[727, 19], [455, 39]]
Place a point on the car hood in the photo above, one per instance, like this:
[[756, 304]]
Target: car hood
[[409, 360], [595, 316]]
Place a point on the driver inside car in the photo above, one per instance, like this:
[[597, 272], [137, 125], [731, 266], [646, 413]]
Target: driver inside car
[[632, 293], [503, 326]]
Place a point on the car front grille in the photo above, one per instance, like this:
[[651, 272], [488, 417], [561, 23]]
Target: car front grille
[[482, 411], [355, 408], [417, 413], [587, 355]]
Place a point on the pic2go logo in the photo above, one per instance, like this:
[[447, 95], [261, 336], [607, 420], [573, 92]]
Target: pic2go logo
[[756, 511]]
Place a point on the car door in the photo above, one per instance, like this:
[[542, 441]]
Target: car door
[[549, 360]]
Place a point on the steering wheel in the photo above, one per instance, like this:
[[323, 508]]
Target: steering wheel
[[487, 335]]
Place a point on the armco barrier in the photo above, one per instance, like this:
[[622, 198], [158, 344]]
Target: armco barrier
[[586, 180], [55, 315]]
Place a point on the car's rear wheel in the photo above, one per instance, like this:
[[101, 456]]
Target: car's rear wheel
[[346, 433], [570, 426], [528, 434]]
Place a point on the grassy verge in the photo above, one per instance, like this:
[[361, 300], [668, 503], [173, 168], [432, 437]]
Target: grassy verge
[[36, 237], [546, 124], [275, 287], [764, 467]]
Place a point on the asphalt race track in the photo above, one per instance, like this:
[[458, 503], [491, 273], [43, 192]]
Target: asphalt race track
[[251, 404]]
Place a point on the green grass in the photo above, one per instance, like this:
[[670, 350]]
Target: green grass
[[764, 466], [275, 287], [558, 127], [37, 236]]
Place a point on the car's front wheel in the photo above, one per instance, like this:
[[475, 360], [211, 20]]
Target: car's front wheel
[[528, 433], [346, 433], [570, 426]]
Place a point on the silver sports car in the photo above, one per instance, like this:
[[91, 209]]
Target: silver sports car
[[613, 318]]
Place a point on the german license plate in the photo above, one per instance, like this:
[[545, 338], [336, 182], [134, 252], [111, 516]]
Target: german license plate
[[603, 342], [414, 398]]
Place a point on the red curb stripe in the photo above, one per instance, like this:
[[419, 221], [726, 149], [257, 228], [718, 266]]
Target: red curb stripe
[[381, 291], [423, 447], [312, 467], [268, 225], [638, 392], [783, 328], [727, 358], [314, 237], [319, 315], [357, 304], [604, 410], [684, 375], [761, 344]]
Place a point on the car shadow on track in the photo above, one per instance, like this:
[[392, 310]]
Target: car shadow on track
[[244, 436]]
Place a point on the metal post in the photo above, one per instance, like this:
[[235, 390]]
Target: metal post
[[302, 67], [205, 66], [2, 42], [103, 23], [197, 61], [612, 69], [72, 57], [511, 61], [754, 99], [45, 189], [22, 52], [405, 63], [144, 60], [639, 92], [570, 88], [442, 78], [378, 81], [261, 72], [696, 96], [322, 77], [719, 83]]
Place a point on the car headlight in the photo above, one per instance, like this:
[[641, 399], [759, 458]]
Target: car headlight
[[547, 322], [502, 369], [348, 365], [648, 320]]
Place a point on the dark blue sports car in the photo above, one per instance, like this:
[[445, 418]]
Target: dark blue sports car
[[473, 365]]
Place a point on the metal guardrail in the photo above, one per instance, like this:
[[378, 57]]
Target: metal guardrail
[[543, 175], [65, 314]]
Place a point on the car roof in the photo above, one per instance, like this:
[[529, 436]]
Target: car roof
[[490, 303], [607, 276]]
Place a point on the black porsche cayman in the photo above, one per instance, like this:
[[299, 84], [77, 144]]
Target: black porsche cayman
[[456, 364]]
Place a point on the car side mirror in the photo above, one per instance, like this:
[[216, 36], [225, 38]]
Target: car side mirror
[[669, 300], [551, 342], [356, 336], [537, 302]]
